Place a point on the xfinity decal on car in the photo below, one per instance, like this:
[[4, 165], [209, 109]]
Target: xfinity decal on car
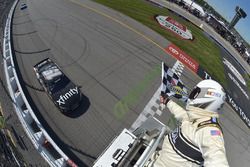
[[67, 95], [63, 92]]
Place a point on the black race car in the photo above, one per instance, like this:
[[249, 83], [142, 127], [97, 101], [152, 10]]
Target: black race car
[[64, 93]]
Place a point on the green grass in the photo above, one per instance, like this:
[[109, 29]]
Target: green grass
[[201, 49], [247, 78], [2, 122]]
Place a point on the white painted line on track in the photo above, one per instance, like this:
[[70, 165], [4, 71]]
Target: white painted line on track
[[234, 71]]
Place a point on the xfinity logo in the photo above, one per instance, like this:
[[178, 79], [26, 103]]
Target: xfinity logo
[[67, 95]]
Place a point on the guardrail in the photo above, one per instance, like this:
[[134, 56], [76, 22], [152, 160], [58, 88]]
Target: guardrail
[[33, 128]]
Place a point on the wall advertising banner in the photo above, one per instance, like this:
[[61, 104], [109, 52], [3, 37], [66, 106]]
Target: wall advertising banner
[[182, 57], [175, 27]]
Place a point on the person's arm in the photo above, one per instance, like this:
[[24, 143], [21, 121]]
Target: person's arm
[[173, 107], [212, 147], [178, 111]]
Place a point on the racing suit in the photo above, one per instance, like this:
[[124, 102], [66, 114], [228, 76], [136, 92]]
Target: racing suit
[[197, 141]]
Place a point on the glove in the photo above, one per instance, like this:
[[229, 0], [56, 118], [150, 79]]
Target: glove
[[164, 99], [162, 106]]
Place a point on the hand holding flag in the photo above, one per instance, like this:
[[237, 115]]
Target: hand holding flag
[[172, 85]]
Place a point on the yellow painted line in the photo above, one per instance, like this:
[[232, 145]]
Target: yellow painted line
[[119, 22], [11, 138], [2, 121], [1, 110]]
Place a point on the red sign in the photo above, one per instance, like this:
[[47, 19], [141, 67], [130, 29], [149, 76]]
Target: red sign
[[180, 26], [175, 27], [182, 57]]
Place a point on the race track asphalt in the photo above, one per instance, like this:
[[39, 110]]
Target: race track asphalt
[[108, 55]]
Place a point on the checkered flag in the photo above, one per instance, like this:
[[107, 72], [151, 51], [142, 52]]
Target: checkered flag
[[171, 84]]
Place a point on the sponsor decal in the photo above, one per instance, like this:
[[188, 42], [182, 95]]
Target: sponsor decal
[[175, 27], [183, 57], [238, 85], [66, 96], [238, 109], [213, 94], [179, 91], [234, 71]]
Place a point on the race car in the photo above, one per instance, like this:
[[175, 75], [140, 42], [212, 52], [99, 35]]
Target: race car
[[63, 92], [23, 6]]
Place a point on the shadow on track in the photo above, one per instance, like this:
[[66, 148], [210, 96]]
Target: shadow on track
[[83, 108]]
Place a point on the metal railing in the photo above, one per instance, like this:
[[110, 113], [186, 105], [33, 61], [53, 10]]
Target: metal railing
[[32, 126]]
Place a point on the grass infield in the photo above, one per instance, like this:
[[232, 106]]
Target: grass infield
[[204, 51], [247, 78]]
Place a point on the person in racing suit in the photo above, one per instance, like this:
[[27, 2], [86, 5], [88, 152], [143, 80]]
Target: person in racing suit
[[198, 140]]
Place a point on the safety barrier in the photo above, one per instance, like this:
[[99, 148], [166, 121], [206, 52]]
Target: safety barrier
[[33, 128]]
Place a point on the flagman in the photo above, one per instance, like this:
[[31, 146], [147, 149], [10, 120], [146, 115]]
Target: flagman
[[198, 139]]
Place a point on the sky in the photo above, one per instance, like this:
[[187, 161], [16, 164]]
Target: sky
[[227, 9]]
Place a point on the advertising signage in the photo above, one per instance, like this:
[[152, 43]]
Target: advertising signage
[[175, 27]]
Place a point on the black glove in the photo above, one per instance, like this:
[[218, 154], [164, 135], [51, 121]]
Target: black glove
[[164, 98]]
